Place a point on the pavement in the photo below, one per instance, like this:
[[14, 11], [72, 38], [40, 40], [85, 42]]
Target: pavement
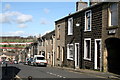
[[106, 75]]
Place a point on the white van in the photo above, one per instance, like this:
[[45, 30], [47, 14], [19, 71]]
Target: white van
[[39, 60]]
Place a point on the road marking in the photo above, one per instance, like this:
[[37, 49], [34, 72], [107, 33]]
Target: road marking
[[59, 76], [51, 73], [56, 75], [64, 77]]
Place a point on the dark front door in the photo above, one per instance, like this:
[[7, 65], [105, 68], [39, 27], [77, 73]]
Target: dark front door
[[113, 49], [98, 54]]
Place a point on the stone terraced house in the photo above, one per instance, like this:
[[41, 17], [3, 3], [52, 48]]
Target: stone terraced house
[[90, 38]]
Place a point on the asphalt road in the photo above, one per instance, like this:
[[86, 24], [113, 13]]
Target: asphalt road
[[42, 73]]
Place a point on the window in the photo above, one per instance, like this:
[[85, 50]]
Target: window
[[43, 43], [88, 20], [70, 26], [58, 52], [87, 49], [70, 51], [51, 41], [58, 32], [46, 42], [62, 53], [40, 58], [113, 15]]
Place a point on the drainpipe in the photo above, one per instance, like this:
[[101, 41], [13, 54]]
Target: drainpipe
[[81, 48]]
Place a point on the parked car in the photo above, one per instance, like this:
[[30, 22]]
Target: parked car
[[15, 62], [6, 62], [39, 60], [26, 61], [3, 62], [11, 62], [30, 61]]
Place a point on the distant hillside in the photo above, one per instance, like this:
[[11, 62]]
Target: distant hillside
[[14, 42], [16, 39]]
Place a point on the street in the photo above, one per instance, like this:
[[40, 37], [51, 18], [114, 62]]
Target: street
[[22, 72]]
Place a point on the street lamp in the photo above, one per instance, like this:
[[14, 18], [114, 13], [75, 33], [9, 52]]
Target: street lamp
[[77, 24]]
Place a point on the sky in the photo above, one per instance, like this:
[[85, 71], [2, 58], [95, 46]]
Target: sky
[[32, 18]]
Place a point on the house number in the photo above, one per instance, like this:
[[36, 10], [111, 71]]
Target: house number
[[112, 31]]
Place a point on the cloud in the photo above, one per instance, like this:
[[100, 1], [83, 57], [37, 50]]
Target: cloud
[[44, 21], [46, 10], [5, 18], [15, 17], [24, 18], [22, 25], [16, 33]]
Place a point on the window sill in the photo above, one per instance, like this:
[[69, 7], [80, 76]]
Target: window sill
[[87, 59], [70, 34], [70, 59], [111, 27], [87, 30]]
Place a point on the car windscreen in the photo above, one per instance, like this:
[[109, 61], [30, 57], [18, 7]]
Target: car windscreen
[[31, 59], [40, 58]]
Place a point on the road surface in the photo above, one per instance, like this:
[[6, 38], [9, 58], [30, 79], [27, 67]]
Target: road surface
[[22, 72]]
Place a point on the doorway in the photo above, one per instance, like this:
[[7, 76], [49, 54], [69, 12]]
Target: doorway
[[76, 55], [98, 55], [113, 50]]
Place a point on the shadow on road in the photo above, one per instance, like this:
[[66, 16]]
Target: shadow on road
[[9, 72]]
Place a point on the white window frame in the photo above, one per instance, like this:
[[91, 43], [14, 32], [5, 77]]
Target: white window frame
[[77, 55], [68, 53], [95, 55], [85, 50], [90, 21], [58, 52], [110, 15], [70, 26]]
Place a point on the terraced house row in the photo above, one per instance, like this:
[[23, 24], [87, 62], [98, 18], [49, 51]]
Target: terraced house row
[[86, 39]]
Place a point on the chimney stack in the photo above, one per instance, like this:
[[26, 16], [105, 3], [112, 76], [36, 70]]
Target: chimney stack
[[80, 5], [92, 2]]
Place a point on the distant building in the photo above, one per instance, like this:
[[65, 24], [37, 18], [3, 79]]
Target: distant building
[[8, 56], [46, 46], [14, 42], [10, 45], [43, 45]]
